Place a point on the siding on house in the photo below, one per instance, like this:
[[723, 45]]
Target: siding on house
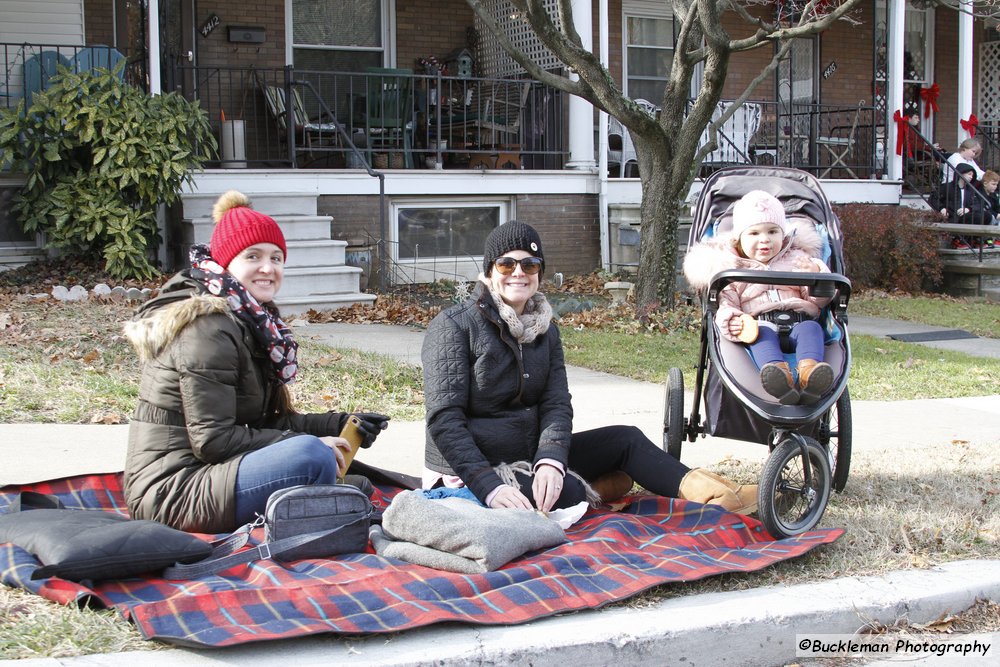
[[42, 22]]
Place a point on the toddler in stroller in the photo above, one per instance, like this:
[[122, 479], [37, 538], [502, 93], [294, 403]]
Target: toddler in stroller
[[765, 316]]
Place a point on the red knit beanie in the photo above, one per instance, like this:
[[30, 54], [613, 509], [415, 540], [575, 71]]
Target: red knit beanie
[[237, 226]]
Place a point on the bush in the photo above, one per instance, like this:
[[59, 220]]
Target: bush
[[887, 248], [100, 156]]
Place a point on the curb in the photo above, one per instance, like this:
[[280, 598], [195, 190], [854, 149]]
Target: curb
[[752, 628]]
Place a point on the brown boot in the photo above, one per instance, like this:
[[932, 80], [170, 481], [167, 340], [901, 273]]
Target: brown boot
[[815, 379], [702, 486], [612, 486], [778, 382]]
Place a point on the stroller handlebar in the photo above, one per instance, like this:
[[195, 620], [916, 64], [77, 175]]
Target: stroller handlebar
[[823, 285]]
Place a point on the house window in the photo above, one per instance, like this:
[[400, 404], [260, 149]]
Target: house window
[[340, 35], [437, 240], [918, 52], [648, 49]]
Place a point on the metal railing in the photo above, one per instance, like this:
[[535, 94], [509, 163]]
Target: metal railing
[[28, 68], [397, 119]]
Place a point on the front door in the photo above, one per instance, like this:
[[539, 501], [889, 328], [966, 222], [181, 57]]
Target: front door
[[798, 92], [177, 45]]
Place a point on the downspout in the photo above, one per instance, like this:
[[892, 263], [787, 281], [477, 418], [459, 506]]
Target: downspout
[[602, 146]]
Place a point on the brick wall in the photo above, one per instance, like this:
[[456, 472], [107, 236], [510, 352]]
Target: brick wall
[[99, 21], [430, 28], [568, 225], [217, 50]]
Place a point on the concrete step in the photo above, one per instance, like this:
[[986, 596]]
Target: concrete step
[[199, 205], [299, 305], [14, 256], [294, 227], [319, 281], [315, 253]]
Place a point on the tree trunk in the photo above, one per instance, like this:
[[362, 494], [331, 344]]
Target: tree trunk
[[663, 196]]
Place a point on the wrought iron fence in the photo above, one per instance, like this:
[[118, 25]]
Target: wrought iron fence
[[298, 118], [28, 68]]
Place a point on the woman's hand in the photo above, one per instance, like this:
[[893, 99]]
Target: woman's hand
[[510, 497], [547, 486], [339, 446]]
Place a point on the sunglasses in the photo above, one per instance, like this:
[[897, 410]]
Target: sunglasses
[[506, 265]]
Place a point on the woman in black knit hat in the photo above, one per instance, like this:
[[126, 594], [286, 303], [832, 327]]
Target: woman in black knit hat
[[498, 412]]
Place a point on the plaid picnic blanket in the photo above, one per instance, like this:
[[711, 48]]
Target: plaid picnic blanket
[[610, 556]]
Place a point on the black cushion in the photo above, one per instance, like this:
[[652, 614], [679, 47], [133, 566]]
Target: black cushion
[[95, 545]]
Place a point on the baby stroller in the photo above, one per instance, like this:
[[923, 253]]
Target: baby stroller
[[810, 445]]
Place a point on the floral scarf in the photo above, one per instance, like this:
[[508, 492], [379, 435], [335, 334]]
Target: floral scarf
[[267, 327], [530, 324]]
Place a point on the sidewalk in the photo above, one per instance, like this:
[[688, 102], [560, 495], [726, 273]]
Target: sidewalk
[[755, 627]]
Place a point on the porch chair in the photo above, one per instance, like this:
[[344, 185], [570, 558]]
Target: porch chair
[[94, 57], [839, 146], [311, 134], [496, 124], [621, 150], [734, 136], [38, 69], [388, 113]]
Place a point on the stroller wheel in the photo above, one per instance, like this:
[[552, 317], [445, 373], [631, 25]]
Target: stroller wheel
[[789, 504], [673, 413], [835, 435]]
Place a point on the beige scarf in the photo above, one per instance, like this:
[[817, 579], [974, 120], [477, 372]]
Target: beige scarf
[[530, 324]]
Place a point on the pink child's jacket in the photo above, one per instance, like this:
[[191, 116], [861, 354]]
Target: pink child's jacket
[[704, 260]]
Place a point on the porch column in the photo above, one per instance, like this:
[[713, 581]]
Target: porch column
[[581, 113], [894, 86], [153, 46], [964, 66]]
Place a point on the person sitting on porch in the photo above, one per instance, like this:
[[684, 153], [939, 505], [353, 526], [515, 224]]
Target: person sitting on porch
[[967, 152], [214, 432], [958, 203], [498, 412], [991, 213]]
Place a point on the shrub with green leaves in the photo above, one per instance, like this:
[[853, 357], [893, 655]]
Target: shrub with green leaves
[[887, 247], [100, 156]]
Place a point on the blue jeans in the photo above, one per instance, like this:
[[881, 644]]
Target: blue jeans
[[303, 459], [806, 339]]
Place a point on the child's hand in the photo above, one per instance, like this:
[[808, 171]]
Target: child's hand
[[735, 326], [807, 265], [944, 213]]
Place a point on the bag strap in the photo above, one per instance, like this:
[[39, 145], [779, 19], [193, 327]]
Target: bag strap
[[218, 562], [32, 500]]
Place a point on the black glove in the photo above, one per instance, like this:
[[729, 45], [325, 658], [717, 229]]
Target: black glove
[[372, 423]]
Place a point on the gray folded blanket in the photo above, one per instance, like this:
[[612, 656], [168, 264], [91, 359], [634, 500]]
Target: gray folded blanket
[[459, 535]]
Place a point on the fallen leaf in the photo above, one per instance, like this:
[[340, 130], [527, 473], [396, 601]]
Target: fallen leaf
[[4, 320], [91, 357]]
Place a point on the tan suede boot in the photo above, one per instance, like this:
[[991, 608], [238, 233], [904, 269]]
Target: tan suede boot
[[702, 486], [778, 382], [815, 379], [612, 486]]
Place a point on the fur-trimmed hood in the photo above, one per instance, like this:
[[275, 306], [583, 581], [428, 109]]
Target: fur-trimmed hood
[[159, 321], [704, 260]]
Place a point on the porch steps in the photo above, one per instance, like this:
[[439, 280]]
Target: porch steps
[[12, 257], [316, 274]]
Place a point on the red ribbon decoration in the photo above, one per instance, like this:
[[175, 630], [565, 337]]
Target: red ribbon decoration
[[929, 96], [902, 127], [970, 125]]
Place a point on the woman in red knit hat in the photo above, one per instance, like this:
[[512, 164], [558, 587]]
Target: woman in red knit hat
[[214, 433]]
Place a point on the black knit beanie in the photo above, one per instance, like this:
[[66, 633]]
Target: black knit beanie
[[509, 236]]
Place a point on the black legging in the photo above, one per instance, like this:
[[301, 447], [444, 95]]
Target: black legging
[[607, 449]]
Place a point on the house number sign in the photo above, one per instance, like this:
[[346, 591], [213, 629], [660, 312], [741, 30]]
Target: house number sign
[[210, 24], [830, 69]]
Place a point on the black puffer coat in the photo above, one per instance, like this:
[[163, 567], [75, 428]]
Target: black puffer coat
[[490, 400], [206, 398]]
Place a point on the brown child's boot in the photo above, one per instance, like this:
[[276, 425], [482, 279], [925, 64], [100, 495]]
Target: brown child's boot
[[701, 486], [612, 486], [778, 382], [815, 379]]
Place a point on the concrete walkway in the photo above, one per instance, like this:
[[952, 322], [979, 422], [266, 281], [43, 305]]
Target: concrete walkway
[[755, 627]]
